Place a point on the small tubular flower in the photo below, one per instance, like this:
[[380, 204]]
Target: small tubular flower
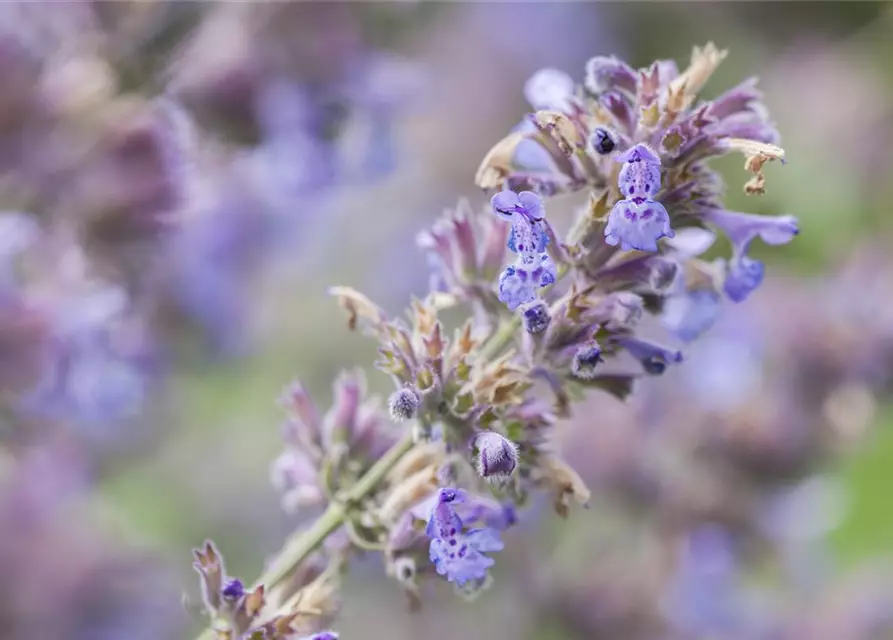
[[533, 268], [638, 221], [743, 273], [457, 553]]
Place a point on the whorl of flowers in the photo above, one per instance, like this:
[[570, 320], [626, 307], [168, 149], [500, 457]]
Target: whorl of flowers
[[638, 141]]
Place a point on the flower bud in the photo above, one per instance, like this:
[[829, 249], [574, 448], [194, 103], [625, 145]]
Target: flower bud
[[497, 456], [233, 589], [535, 317], [602, 141], [404, 569], [403, 404], [586, 360]]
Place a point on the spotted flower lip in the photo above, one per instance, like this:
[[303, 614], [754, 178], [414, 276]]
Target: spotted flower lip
[[744, 275], [457, 552], [638, 225]]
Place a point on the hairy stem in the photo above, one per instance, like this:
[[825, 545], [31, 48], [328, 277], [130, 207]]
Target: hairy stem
[[304, 542]]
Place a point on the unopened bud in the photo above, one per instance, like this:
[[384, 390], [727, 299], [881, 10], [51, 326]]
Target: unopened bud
[[233, 589], [602, 141], [586, 361], [403, 404], [535, 317], [497, 456], [405, 569]]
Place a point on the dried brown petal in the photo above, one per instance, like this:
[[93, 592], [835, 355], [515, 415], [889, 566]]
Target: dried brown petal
[[408, 492], [358, 307], [756, 154], [566, 483], [561, 129], [704, 62], [497, 164]]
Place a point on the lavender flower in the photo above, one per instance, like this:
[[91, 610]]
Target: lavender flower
[[533, 268], [639, 221], [744, 274], [457, 552]]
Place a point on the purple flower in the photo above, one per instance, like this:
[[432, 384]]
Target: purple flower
[[741, 228], [691, 313], [497, 456], [516, 287], [637, 224], [639, 221], [743, 276], [512, 206], [324, 635], [457, 554], [653, 357]]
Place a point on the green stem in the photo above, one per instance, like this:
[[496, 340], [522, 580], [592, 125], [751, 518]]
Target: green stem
[[303, 543]]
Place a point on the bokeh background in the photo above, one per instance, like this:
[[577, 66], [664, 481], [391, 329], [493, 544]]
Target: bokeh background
[[184, 182]]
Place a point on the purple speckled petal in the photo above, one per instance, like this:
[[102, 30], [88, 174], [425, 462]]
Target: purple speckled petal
[[516, 287], [637, 225], [639, 153], [639, 179]]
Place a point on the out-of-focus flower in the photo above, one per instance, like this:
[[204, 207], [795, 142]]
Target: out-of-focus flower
[[97, 588], [323, 451]]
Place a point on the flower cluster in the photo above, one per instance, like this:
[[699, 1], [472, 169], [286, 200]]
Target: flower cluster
[[240, 614], [570, 315]]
